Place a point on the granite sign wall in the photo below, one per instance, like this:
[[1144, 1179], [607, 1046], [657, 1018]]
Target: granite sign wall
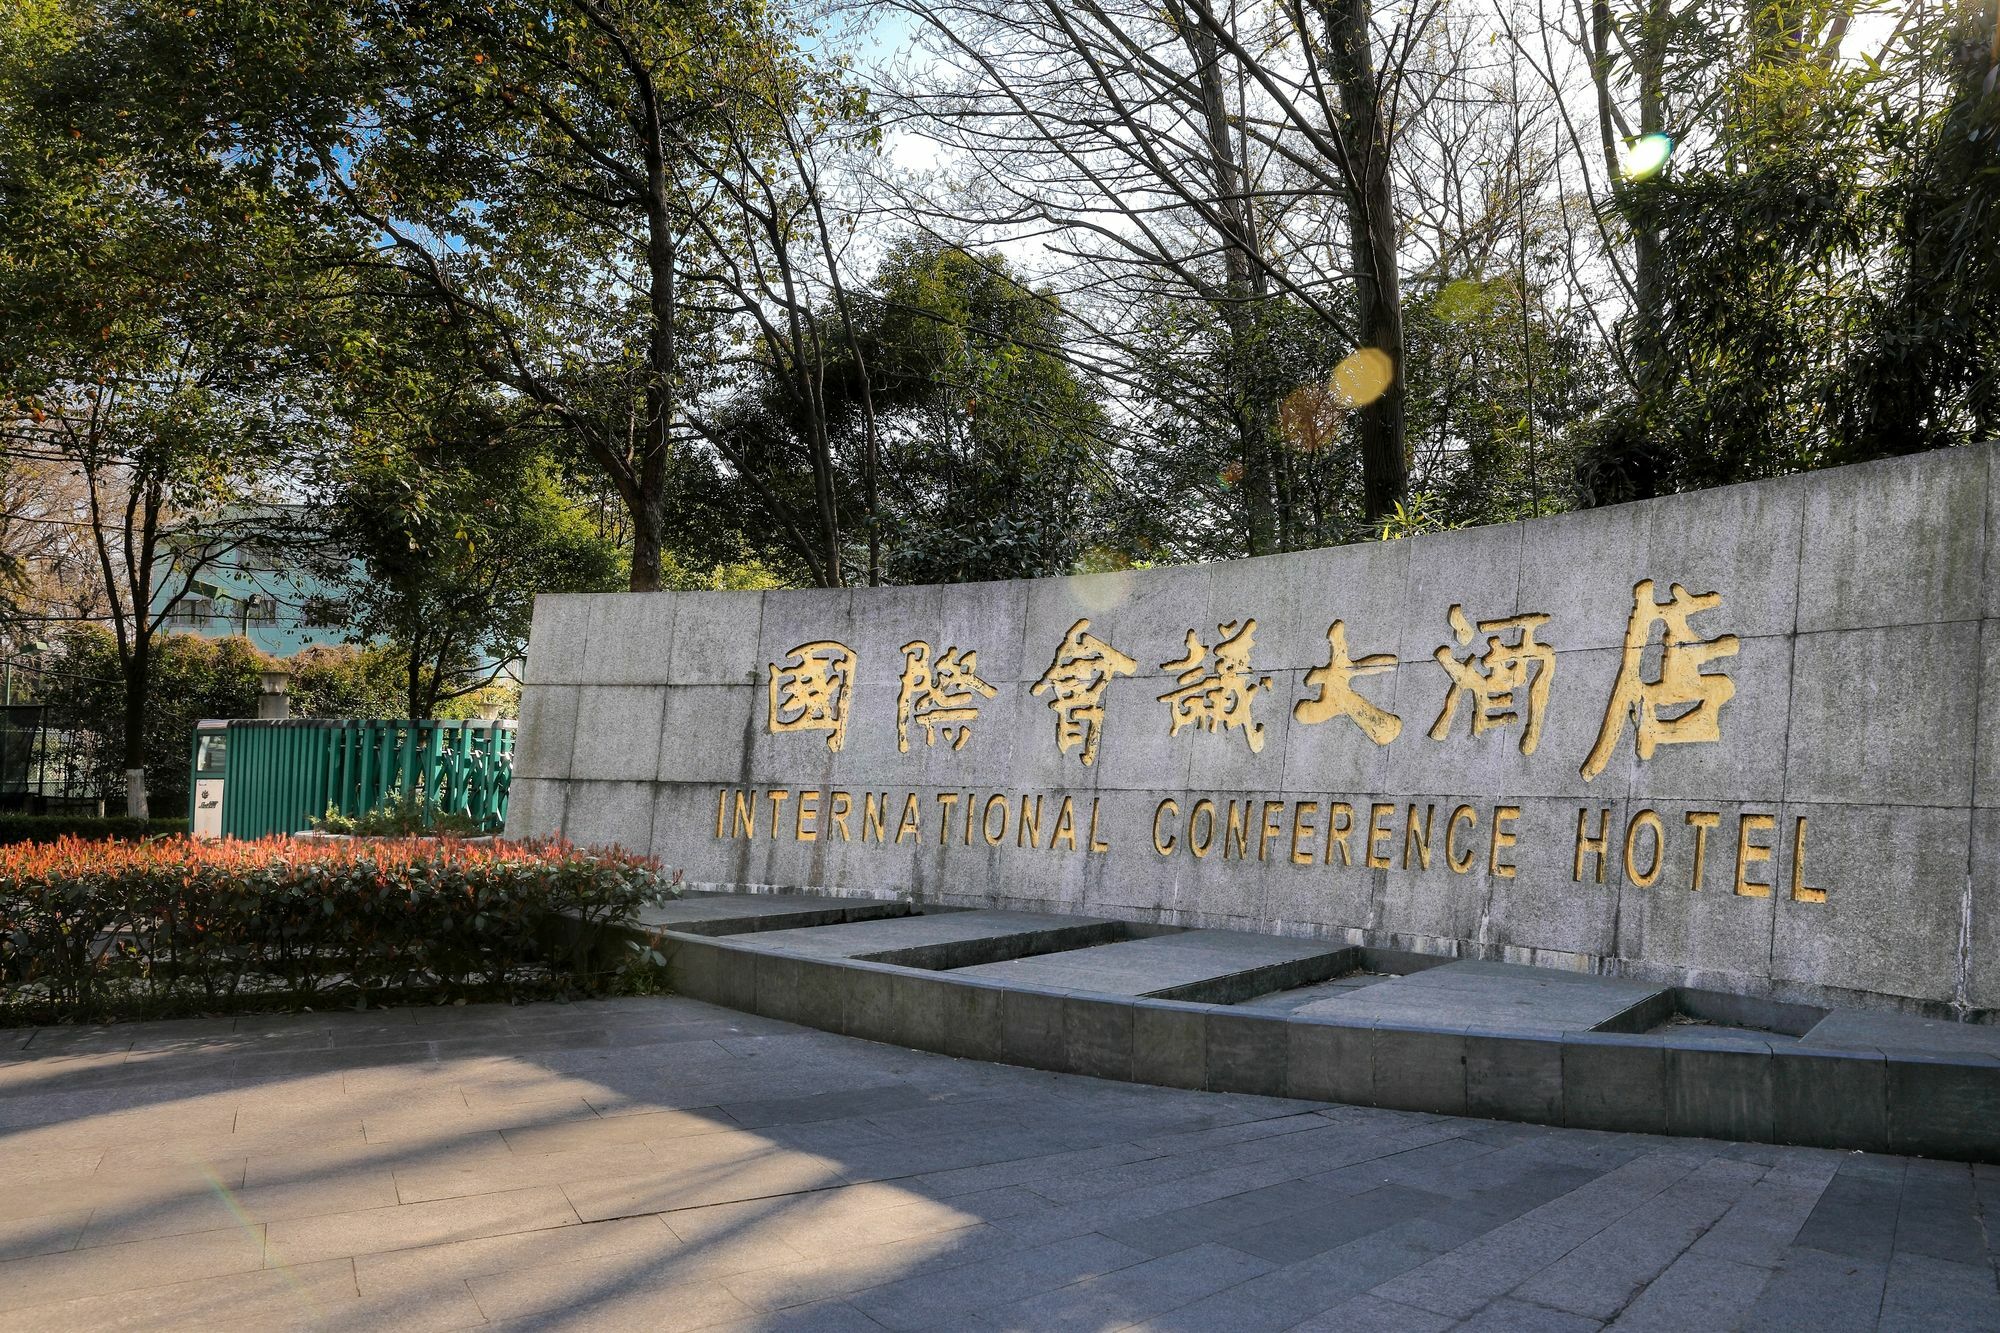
[[1747, 739]]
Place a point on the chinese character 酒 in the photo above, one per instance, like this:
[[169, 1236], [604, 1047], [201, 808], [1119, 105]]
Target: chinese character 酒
[[1508, 682]]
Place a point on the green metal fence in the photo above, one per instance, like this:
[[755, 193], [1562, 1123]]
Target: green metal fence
[[282, 775]]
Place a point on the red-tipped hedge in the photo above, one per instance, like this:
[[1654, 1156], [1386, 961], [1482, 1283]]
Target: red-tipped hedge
[[89, 929]]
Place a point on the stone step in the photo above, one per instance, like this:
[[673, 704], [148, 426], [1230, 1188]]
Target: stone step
[[946, 940], [1210, 966], [740, 913], [1856, 1030], [1502, 995]]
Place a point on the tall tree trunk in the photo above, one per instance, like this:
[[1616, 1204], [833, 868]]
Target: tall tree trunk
[[138, 671], [1349, 59], [1253, 409], [649, 500]]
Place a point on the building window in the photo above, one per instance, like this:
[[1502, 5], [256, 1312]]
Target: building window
[[191, 612], [260, 610]]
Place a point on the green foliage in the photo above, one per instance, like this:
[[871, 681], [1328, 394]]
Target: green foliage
[[195, 678], [1414, 517], [454, 532], [400, 816], [994, 447], [89, 828], [1500, 400], [1827, 264], [96, 930]]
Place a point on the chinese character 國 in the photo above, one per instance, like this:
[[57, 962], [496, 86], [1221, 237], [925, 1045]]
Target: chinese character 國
[[940, 696], [1684, 703], [1508, 682], [812, 690], [1220, 697], [1075, 681]]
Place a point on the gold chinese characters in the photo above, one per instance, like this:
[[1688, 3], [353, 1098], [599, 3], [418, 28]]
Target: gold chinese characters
[[1693, 699], [1337, 696], [1501, 670], [939, 697], [1218, 696], [812, 691], [1508, 682], [1083, 665]]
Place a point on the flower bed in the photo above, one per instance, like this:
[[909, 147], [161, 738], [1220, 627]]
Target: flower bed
[[97, 929]]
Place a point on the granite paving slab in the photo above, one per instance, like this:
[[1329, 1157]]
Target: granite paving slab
[[780, 1178], [911, 938], [737, 913], [1189, 965], [1495, 995], [1854, 1030]]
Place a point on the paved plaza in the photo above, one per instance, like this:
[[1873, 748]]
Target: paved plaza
[[663, 1164]]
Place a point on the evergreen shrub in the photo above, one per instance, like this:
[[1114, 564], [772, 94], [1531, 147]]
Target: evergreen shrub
[[92, 930]]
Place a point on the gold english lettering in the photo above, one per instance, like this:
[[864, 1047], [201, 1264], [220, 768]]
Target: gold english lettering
[[1469, 817], [1749, 853], [1503, 837], [1379, 833], [1801, 891], [1701, 821], [1599, 846]]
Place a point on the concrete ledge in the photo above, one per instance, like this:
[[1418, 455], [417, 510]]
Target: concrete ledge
[[1927, 1104]]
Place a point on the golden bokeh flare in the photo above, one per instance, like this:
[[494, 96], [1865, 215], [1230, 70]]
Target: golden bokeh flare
[[1363, 376]]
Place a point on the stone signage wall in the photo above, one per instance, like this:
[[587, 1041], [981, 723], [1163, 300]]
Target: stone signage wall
[[1747, 739]]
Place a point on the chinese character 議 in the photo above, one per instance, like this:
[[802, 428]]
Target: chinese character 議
[[811, 692], [1083, 665], [1498, 678], [941, 696], [1220, 697], [1337, 696], [1694, 698]]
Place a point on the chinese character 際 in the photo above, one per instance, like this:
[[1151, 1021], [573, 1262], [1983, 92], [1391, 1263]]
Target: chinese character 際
[[1693, 699], [1083, 665], [812, 690], [1220, 697], [940, 696], [1508, 682], [1337, 696]]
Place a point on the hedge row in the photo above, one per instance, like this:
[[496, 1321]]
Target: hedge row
[[92, 828], [102, 929]]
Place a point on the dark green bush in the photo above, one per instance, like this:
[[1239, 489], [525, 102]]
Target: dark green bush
[[90, 828], [104, 929]]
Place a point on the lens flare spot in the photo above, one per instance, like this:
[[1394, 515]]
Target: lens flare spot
[[1363, 376], [1645, 157], [1097, 593]]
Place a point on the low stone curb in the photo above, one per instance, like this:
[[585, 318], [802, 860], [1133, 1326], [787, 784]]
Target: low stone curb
[[1745, 1090]]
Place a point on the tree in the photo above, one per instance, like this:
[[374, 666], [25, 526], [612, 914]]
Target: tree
[[565, 186], [151, 281], [440, 545], [951, 415]]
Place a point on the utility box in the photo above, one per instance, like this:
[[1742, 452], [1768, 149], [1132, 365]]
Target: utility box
[[251, 778]]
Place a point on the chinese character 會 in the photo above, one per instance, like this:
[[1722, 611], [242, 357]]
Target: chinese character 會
[[1220, 697], [1498, 678], [1337, 696], [939, 697], [1083, 665], [811, 692], [1693, 699]]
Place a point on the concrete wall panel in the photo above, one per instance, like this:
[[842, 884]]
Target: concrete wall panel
[[1854, 717]]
